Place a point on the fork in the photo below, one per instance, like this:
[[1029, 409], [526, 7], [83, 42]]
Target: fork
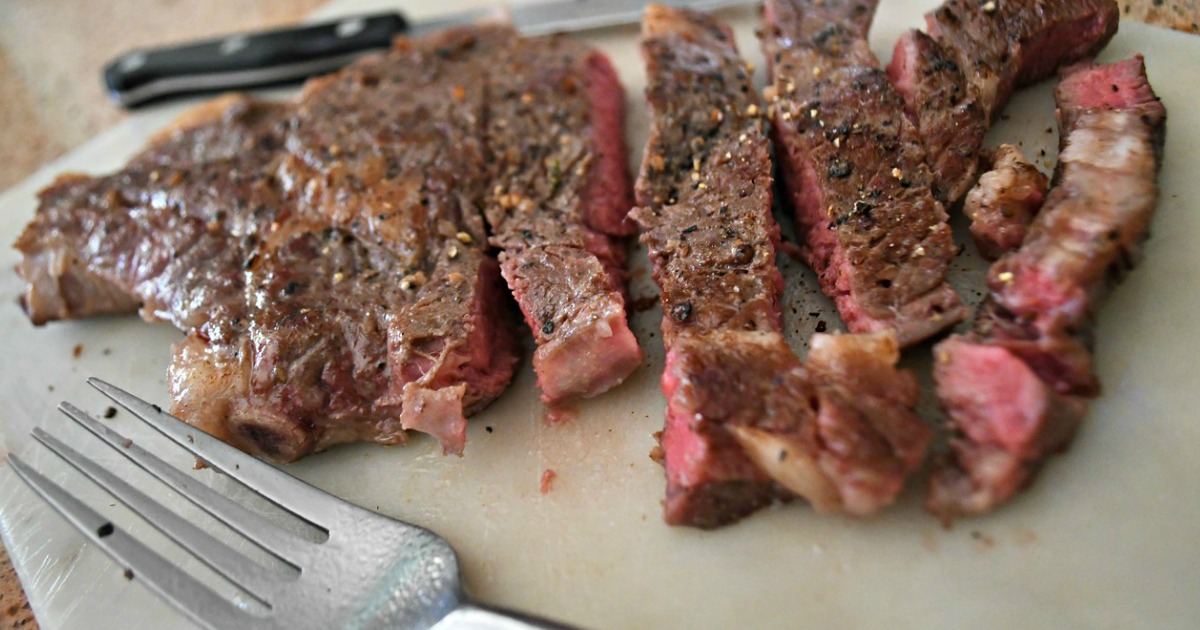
[[359, 569]]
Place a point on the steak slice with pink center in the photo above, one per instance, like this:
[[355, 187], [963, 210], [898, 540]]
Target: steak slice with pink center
[[854, 168], [1015, 390]]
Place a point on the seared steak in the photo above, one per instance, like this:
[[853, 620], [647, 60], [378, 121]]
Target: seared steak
[[1003, 203], [747, 424], [560, 192], [990, 48], [939, 103], [1016, 389], [855, 170], [325, 257]]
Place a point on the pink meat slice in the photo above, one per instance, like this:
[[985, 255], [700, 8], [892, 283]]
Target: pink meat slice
[[1016, 389]]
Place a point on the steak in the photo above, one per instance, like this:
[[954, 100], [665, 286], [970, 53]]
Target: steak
[[1001, 206], [747, 424], [854, 167], [1016, 389], [938, 101], [559, 194], [990, 49], [325, 258]]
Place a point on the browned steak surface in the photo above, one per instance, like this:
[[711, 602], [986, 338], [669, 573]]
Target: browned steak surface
[[1016, 389], [559, 194], [854, 167], [325, 257], [704, 195], [990, 49], [747, 423], [705, 188], [939, 102]]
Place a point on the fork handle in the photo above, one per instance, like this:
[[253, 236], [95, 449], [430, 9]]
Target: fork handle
[[476, 616]]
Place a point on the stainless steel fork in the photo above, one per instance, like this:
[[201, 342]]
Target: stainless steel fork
[[359, 570]]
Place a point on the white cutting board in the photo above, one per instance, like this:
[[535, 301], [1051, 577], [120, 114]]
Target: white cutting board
[[1108, 537]]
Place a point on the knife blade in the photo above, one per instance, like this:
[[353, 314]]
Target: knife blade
[[285, 55]]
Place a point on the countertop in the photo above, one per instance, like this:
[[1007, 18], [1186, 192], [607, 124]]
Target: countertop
[[51, 52]]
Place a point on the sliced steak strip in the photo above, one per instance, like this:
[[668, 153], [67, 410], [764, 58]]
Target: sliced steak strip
[[1016, 389], [855, 170], [747, 423], [990, 48], [939, 102], [325, 257], [1001, 206], [559, 192]]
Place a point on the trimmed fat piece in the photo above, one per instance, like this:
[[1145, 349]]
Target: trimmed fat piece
[[747, 423], [1016, 389], [854, 168]]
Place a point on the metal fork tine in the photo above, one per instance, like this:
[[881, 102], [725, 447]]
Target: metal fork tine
[[186, 593], [239, 569], [281, 488], [282, 544]]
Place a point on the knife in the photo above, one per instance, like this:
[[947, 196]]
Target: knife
[[287, 55]]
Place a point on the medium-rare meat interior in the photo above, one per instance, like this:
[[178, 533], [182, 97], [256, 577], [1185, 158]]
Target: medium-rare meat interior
[[1016, 389], [560, 193], [327, 257], [957, 79], [747, 423], [854, 169]]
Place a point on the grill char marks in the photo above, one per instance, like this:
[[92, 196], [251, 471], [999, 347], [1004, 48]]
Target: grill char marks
[[341, 290], [747, 424], [559, 192], [1017, 388], [994, 48], [855, 169]]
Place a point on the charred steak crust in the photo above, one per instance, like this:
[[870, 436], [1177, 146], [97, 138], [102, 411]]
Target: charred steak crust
[[1017, 388], [559, 193], [990, 49], [855, 170], [747, 424], [325, 257]]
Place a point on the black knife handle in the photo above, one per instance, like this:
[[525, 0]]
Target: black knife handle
[[247, 60]]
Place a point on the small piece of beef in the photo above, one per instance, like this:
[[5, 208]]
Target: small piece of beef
[[855, 169], [747, 423], [939, 103], [1016, 389], [1001, 206], [558, 194], [993, 48], [325, 257]]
